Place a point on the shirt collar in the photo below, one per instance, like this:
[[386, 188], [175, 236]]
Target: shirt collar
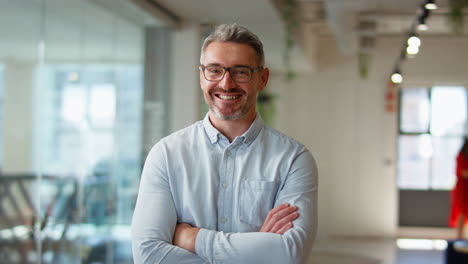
[[248, 137], [254, 129], [210, 130]]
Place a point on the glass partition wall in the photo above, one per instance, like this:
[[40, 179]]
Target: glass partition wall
[[71, 80]]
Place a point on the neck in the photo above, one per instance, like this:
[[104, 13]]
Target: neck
[[232, 128]]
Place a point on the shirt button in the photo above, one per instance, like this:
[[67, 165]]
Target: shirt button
[[225, 185], [228, 154], [223, 220]]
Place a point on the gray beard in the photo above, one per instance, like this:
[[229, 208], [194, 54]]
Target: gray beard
[[236, 116]]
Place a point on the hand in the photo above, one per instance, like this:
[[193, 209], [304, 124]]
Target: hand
[[185, 236], [279, 219], [464, 174]]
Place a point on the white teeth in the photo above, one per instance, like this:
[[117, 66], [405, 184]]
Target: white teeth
[[229, 97]]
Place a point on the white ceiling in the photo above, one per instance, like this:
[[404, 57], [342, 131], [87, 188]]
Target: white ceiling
[[222, 11], [260, 16], [90, 27], [391, 17], [338, 18]]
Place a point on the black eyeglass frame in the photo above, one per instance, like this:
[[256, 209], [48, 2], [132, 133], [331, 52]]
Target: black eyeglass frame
[[203, 67]]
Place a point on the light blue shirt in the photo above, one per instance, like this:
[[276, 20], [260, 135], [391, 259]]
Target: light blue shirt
[[197, 176]]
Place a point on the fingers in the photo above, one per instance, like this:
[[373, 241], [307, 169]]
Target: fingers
[[285, 222], [279, 219], [284, 229], [274, 211]]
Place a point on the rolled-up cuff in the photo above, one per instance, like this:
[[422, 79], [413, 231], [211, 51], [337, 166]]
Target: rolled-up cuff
[[204, 244]]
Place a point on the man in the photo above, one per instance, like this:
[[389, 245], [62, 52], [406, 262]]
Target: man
[[227, 189]]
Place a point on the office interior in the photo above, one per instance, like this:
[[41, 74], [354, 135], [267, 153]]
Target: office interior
[[87, 87]]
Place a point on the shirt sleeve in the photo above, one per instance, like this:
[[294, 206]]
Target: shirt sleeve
[[300, 189], [155, 217]]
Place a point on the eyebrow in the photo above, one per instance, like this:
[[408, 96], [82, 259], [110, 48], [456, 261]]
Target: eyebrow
[[236, 65]]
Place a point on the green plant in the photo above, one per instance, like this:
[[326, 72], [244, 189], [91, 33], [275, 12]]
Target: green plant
[[266, 106], [364, 58], [456, 15], [289, 13]]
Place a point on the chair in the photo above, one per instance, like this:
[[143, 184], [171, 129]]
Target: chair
[[20, 215]]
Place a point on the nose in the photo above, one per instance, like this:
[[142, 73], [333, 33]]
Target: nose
[[227, 82]]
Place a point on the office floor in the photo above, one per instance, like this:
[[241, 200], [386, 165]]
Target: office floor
[[371, 251]]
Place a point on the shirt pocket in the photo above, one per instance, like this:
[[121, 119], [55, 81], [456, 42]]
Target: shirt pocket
[[257, 199]]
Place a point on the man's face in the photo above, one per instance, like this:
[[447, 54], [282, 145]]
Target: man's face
[[227, 99]]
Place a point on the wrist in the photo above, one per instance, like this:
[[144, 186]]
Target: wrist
[[185, 236], [193, 238]]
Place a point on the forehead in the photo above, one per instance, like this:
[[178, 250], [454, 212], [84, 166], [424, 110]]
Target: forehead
[[229, 54]]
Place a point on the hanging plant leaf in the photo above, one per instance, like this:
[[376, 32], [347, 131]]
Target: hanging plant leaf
[[456, 15], [266, 106], [363, 64], [291, 23]]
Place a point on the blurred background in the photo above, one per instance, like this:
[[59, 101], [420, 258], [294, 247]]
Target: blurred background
[[87, 87]]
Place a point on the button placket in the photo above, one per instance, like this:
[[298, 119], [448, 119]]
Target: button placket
[[225, 191]]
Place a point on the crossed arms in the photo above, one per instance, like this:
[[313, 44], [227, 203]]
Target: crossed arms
[[278, 221], [157, 238]]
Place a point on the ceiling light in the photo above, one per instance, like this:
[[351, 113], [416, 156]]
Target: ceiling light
[[422, 27], [422, 19], [397, 77], [412, 50], [430, 5], [414, 41]]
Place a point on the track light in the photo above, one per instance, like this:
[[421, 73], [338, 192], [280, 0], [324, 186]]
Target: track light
[[422, 19], [412, 51], [430, 5], [412, 44], [396, 77], [414, 41], [422, 26]]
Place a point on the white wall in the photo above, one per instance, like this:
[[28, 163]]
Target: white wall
[[342, 120], [186, 90], [441, 61]]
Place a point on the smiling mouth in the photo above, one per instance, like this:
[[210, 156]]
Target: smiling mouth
[[228, 97]]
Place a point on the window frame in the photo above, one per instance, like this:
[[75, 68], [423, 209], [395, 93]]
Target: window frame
[[430, 176]]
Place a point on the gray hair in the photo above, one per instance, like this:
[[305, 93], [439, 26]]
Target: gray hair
[[236, 34]]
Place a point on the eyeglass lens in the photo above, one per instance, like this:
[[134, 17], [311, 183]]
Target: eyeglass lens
[[238, 74]]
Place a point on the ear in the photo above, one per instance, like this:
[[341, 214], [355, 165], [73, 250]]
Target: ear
[[202, 78], [264, 75]]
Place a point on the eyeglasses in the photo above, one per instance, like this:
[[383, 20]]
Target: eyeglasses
[[240, 74]]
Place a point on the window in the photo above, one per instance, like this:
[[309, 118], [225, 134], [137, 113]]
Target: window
[[432, 124], [75, 70], [90, 128]]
